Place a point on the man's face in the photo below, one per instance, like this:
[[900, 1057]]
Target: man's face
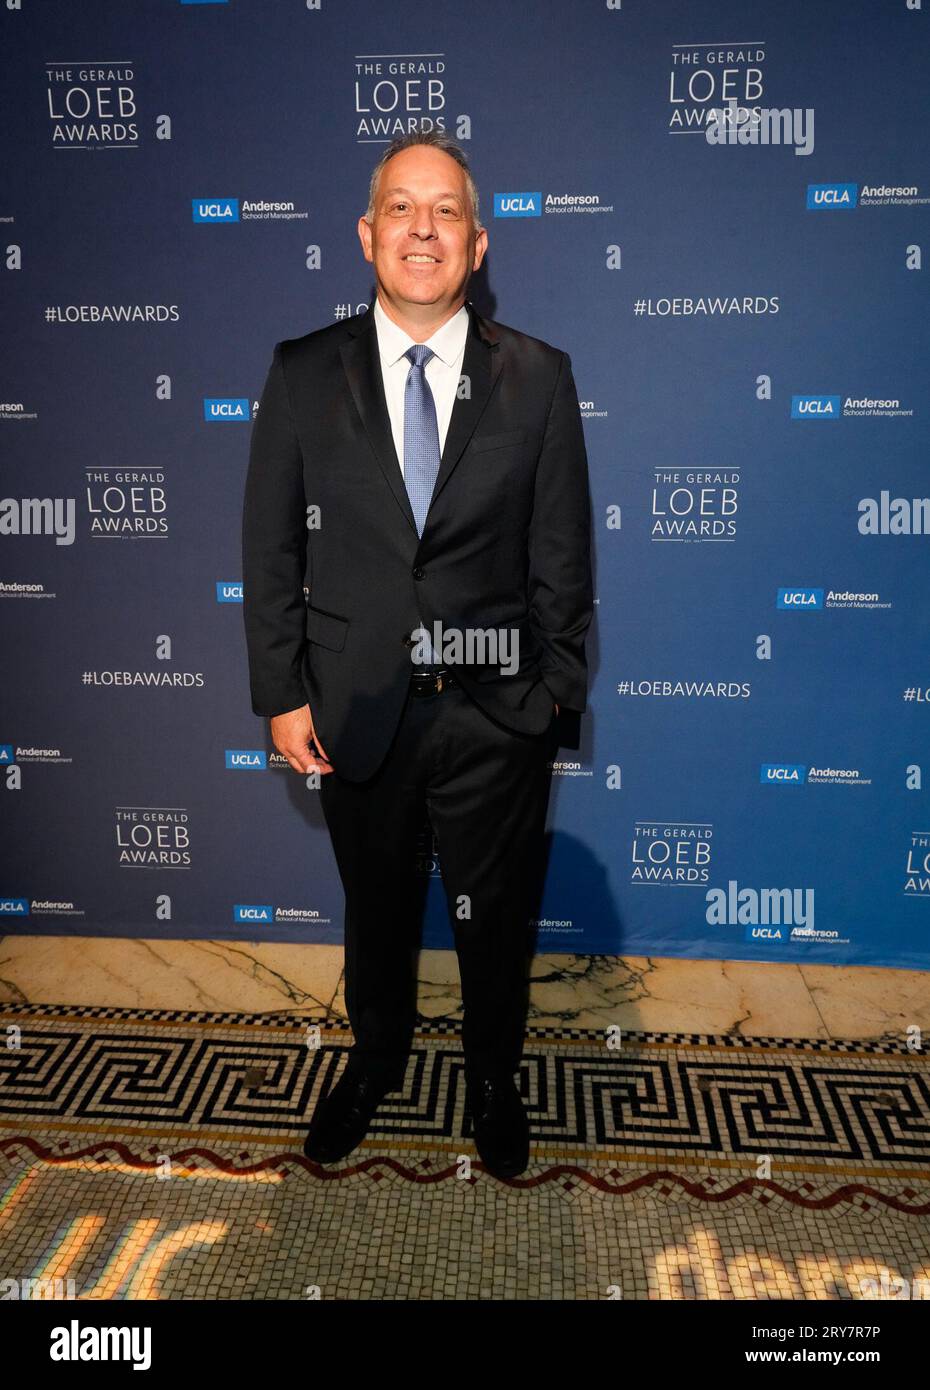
[[422, 210]]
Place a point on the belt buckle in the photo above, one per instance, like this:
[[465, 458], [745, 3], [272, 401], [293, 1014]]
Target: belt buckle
[[428, 682]]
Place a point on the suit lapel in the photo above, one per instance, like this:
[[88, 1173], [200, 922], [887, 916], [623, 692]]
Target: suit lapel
[[363, 369], [481, 366]]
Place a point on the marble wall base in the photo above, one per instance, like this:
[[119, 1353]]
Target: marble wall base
[[746, 999]]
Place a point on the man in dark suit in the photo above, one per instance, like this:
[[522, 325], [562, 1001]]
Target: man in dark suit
[[417, 590]]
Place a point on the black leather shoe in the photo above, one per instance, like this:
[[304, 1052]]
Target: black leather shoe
[[342, 1118], [501, 1128]]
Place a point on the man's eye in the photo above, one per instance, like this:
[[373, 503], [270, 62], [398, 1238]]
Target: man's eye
[[395, 206]]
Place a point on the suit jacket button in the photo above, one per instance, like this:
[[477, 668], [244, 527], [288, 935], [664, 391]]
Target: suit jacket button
[[419, 573]]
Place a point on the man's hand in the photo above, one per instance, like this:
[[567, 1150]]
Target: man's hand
[[292, 733]]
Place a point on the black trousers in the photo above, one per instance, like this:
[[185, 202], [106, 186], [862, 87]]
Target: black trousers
[[486, 790]]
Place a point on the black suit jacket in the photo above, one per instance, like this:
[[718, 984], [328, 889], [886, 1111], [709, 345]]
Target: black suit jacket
[[329, 610]]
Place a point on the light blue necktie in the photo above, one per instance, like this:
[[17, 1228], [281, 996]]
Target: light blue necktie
[[421, 442], [421, 435]]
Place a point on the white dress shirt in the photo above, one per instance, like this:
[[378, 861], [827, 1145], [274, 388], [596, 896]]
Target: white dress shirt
[[443, 370]]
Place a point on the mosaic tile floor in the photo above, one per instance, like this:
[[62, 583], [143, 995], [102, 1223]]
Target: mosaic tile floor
[[154, 1154]]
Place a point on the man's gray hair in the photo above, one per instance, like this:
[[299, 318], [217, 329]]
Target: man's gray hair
[[440, 141]]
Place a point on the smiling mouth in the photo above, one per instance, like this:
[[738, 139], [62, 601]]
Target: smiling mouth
[[417, 258]]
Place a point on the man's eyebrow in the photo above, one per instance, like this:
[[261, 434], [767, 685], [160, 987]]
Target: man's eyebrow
[[439, 196]]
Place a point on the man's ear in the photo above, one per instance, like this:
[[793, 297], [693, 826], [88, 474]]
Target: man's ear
[[364, 236]]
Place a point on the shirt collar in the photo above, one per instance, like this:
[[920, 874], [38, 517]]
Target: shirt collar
[[447, 342]]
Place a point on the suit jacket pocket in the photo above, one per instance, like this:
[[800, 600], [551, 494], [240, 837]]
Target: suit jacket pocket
[[480, 442], [326, 629]]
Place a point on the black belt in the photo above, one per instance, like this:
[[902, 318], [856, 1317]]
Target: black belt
[[432, 682]]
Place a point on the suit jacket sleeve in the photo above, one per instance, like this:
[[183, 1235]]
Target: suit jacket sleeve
[[274, 541], [561, 602]]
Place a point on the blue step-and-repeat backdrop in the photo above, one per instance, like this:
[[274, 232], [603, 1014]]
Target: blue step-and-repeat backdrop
[[720, 210]]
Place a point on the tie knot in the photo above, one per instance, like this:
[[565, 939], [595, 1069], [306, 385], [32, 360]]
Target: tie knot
[[419, 354]]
